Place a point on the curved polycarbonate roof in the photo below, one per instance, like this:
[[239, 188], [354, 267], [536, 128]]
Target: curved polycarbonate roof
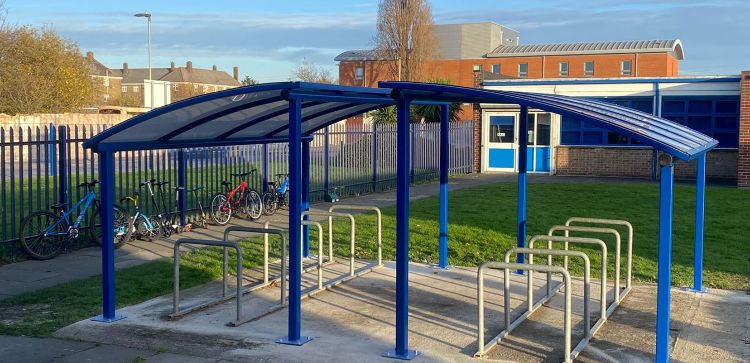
[[670, 137], [243, 115], [260, 114]]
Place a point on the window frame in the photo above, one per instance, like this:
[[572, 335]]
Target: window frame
[[359, 73], [523, 74], [630, 67], [492, 67], [560, 69], [586, 72]]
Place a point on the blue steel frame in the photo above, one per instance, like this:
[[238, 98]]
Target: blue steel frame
[[682, 143], [444, 165], [523, 131]]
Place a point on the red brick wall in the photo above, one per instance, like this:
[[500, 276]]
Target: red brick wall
[[460, 71], [636, 162], [743, 162], [477, 119]]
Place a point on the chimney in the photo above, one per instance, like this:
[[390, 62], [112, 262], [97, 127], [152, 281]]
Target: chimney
[[236, 73], [214, 67], [90, 56], [125, 68], [189, 65], [171, 66]]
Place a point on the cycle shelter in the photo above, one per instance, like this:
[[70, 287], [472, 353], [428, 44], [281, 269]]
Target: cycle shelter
[[289, 112]]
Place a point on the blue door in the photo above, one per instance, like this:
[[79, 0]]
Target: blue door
[[501, 143]]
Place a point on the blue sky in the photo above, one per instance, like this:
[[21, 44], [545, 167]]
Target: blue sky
[[267, 39]]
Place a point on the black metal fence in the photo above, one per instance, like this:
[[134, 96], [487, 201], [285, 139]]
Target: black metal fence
[[43, 165]]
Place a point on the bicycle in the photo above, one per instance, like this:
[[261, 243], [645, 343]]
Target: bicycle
[[142, 226], [44, 234], [278, 195], [160, 219], [203, 218], [242, 198]]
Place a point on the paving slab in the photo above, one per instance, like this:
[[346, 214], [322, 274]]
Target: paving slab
[[27, 350], [107, 353], [354, 322]]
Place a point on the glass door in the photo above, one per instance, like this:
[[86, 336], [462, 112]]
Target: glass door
[[539, 151], [501, 143]]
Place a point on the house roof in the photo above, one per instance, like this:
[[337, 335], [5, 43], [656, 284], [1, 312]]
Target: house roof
[[673, 46], [358, 55]]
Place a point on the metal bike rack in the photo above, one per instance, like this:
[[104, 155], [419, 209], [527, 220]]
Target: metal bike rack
[[603, 273], [612, 222], [618, 294], [359, 207], [176, 294], [330, 216], [507, 266], [226, 244]]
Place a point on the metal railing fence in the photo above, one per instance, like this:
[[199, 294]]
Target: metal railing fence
[[43, 165]]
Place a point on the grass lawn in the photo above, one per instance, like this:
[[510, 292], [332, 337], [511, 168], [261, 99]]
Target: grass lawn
[[482, 227]]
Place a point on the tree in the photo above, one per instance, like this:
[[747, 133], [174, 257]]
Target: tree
[[431, 113], [41, 72], [385, 115], [249, 81], [406, 37], [309, 72]]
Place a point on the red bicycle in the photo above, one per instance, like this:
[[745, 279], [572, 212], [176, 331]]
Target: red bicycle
[[242, 198]]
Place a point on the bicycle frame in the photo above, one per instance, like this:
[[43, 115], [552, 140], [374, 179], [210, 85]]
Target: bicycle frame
[[242, 188], [86, 201], [284, 186]]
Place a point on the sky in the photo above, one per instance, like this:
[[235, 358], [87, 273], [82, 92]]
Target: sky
[[269, 39]]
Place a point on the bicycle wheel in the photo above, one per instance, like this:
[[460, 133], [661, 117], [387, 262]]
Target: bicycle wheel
[[143, 231], [123, 226], [270, 203], [253, 205], [221, 210], [33, 239]]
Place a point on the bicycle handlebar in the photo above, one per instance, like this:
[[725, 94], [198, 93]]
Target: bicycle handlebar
[[88, 184], [154, 182], [245, 173]]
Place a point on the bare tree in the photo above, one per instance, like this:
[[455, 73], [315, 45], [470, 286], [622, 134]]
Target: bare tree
[[309, 72], [406, 37]]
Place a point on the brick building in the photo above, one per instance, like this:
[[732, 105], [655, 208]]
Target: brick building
[[496, 51], [127, 86], [718, 106]]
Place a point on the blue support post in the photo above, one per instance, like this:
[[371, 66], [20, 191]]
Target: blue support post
[[444, 169], [664, 265], [265, 168], [326, 161], [700, 198], [374, 157], [182, 182], [107, 201], [403, 158], [295, 211], [62, 164], [306, 196], [52, 159], [523, 130]]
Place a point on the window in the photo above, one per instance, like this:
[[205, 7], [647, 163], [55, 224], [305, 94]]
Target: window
[[496, 68], [717, 117], [476, 68], [106, 81], [124, 89], [359, 73], [174, 86], [205, 88], [564, 69], [626, 68], [502, 128], [577, 132], [523, 70], [135, 88], [588, 68], [106, 97]]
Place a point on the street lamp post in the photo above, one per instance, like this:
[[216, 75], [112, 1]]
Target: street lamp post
[[147, 15]]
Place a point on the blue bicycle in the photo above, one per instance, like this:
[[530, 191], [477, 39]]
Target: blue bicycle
[[45, 234], [277, 195]]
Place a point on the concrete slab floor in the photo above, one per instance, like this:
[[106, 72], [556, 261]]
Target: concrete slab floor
[[354, 322]]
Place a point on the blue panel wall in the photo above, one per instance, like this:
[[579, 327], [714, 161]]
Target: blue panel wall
[[717, 116], [542, 158], [502, 158], [576, 132]]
